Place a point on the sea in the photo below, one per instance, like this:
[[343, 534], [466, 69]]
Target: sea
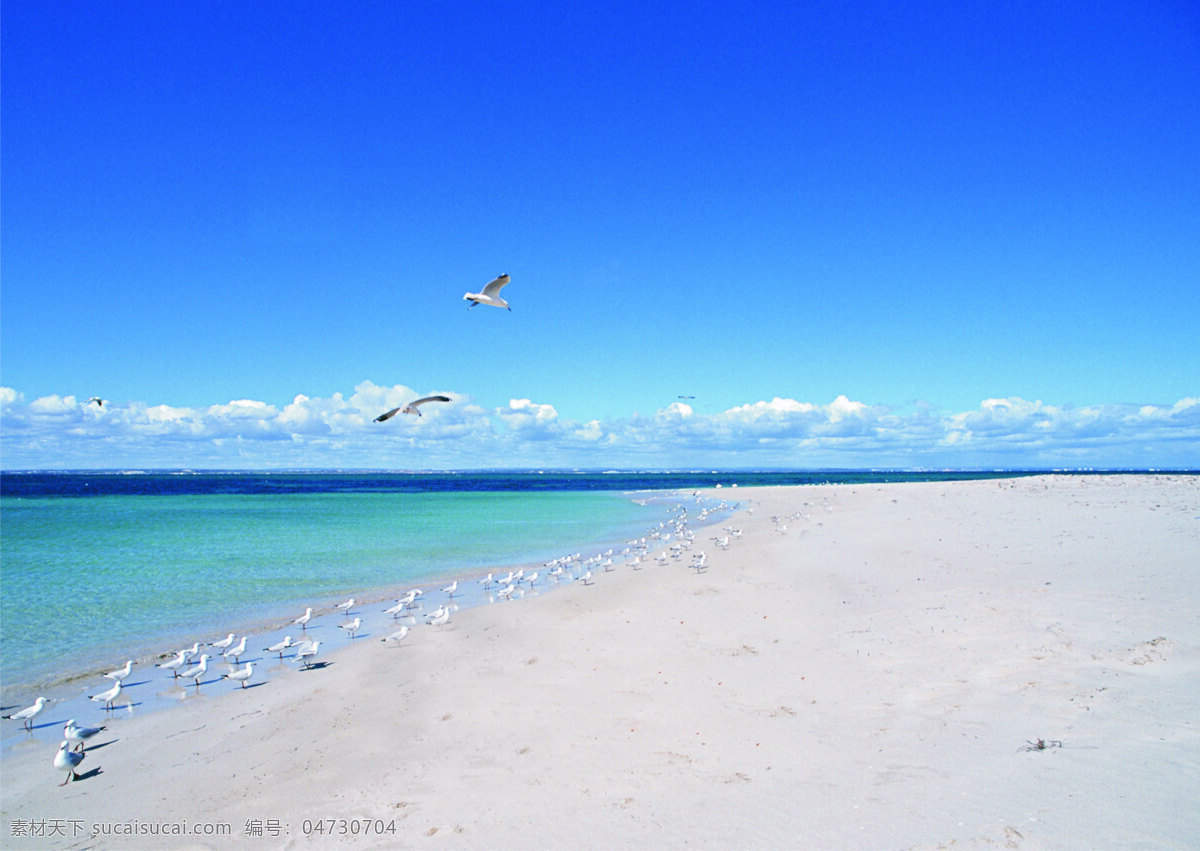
[[100, 567]]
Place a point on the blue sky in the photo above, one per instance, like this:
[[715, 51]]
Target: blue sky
[[859, 234]]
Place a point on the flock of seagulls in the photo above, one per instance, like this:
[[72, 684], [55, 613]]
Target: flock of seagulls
[[673, 537], [72, 749]]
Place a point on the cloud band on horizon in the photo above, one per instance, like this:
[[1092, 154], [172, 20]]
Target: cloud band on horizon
[[60, 432]]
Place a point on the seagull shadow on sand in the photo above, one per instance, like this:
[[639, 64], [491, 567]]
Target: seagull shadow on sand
[[46, 724], [315, 666], [86, 775], [127, 705], [244, 659], [125, 685], [100, 745], [249, 686]]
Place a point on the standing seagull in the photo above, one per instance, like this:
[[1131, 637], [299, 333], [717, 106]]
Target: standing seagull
[[307, 652], [397, 636], [396, 610], [79, 735], [107, 697], [304, 618], [175, 664], [237, 651], [198, 671], [351, 627], [224, 644], [67, 760], [28, 713], [410, 408], [121, 673], [490, 294], [280, 646], [241, 675]]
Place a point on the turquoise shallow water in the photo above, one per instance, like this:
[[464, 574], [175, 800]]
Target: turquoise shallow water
[[89, 581]]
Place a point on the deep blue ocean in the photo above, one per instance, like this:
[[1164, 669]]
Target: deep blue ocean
[[98, 567]]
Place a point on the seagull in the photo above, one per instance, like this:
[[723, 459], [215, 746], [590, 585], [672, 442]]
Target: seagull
[[351, 627], [410, 408], [95, 399], [440, 617], [224, 644], [437, 613], [241, 675], [236, 652], [198, 671], [347, 606], [189, 652], [397, 636], [490, 294], [304, 618], [451, 588], [79, 735], [531, 578], [175, 664], [28, 713], [67, 760], [506, 592], [279, 647], [107, 697], [121, 673], [486, 582], [397, 609], [307, 652], [586, 579]]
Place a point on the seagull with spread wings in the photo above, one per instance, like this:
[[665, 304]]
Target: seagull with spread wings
[[411, 407], [490, 294]]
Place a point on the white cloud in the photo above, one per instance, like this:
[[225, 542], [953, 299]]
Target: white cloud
[[337, 431], [531, 420]]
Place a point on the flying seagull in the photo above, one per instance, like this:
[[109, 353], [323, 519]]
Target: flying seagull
[[410, 408], [95, 399], [490, 294]]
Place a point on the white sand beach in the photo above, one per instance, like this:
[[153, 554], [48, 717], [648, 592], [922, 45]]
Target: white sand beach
[[879, 675]]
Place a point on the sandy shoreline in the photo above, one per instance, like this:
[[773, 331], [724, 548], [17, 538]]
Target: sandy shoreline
[[870, 678]]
